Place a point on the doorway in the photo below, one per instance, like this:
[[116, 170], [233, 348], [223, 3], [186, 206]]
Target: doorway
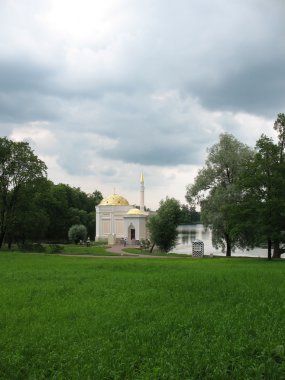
[[131, 232]]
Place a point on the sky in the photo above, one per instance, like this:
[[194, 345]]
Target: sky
[[103, 90]]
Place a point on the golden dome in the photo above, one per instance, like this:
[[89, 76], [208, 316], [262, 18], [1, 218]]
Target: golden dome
[[114, 200], [135, 211]]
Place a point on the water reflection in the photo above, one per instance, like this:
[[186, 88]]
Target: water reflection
[[186, 234], [186, 237]]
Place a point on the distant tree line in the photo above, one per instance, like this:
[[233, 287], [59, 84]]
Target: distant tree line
[[33, 208], [241, 192], [189, 215]]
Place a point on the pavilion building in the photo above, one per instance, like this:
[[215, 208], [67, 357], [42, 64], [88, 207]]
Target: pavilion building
[[116, 219]]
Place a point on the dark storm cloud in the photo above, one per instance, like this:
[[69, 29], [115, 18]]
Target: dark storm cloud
[[23, 75], [27, 92], [152, 83], [22, 107], [257, 89], [159, 154]]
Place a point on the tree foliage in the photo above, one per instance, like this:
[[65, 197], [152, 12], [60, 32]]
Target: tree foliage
[[279, 126], [241, 192], [216, 192], [262, 185], [33, 208], [31, 216], [163, 225], [19, 166], [189, 215], [77, 232]]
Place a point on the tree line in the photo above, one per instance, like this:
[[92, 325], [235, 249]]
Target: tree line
[[33, 208], [241, 192]]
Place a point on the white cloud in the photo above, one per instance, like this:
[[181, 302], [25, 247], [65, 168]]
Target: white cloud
[[37, 134]]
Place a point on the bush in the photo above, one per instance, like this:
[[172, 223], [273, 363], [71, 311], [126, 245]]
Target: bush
[[77, 232], [32, 247], [55, 248]]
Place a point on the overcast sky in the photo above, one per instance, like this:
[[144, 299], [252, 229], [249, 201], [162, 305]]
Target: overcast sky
[[105, 89]]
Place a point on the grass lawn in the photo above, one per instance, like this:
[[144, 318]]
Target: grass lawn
[[84, 318], [73, 249], [96, 250], [139, 251]]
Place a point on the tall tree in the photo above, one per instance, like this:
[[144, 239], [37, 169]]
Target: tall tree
[[69, 206], [95, 198], [215, 189], [31, 217], [18, 166], [279, 126], [261, 185], [163, 225]]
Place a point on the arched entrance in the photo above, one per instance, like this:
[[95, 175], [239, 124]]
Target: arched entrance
[[131, 232]]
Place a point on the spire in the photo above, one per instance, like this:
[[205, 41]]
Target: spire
[[142, 192]]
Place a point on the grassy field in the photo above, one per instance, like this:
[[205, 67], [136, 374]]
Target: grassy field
[[155, 252], [88, 318], [92, 250], [69, 249]]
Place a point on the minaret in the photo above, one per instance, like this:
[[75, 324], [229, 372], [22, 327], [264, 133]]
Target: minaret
[[142, 192]]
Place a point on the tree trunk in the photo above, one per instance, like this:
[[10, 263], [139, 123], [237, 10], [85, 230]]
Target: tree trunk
[[228, 246], [269, 244], [150, 251], [2, 234], [276, 250]]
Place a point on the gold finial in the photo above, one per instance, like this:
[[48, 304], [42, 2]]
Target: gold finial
[[142, 178]]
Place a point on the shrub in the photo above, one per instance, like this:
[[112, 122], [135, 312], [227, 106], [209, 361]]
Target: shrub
[[55, 248], [32, 247], [77, 232]]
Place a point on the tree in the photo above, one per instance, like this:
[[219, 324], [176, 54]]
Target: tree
[[95, 198], [262, 187], [216, 191], [77, 232], [279, 126], [59, 213], [91, 224], [18, 167], [163, 225], [31, 218], [189, 215], [69, 206]]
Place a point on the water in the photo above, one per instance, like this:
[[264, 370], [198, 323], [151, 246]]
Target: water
[[186, 234]]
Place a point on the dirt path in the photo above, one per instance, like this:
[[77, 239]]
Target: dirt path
[[119, 249]]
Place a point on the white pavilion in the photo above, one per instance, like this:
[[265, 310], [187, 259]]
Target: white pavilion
[[117, 219]]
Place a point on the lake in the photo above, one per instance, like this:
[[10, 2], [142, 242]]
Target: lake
[[186, 234]]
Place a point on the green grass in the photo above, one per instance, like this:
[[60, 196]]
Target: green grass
[[139, 251], [83, 250], [73, 249], [85, 318]]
